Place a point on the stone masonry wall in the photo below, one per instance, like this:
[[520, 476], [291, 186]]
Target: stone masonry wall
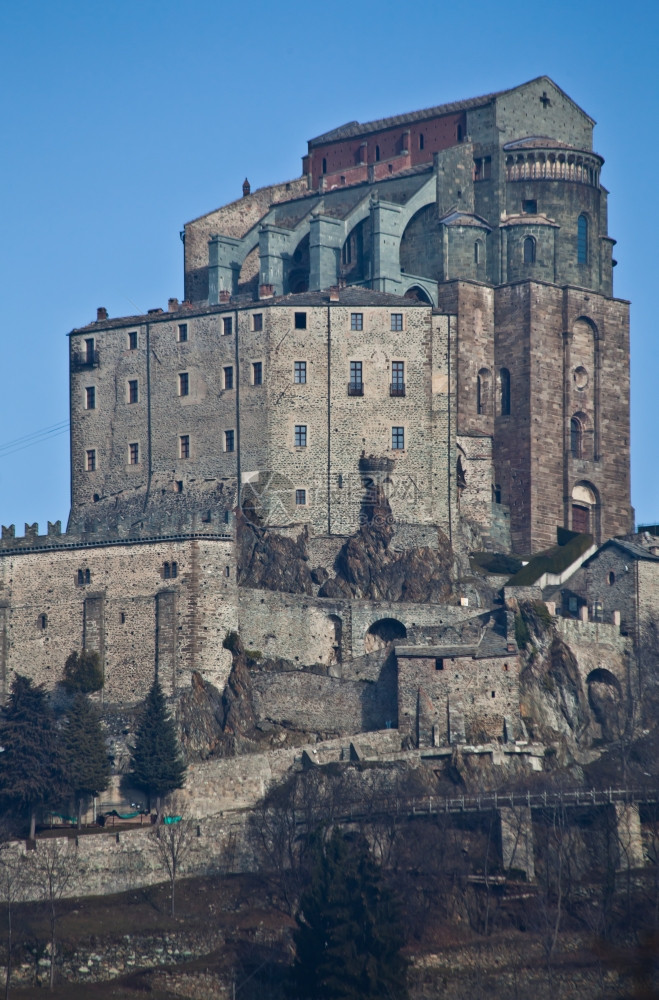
[[129, 611]]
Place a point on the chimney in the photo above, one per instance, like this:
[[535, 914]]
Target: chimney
[[334, 293], [172, 305], [246, 188], [225, 296], [266, 291], [101, 314]]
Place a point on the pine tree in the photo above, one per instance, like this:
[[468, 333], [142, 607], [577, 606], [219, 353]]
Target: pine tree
[[83, 672], [157, 766], [30, 764], [84, 752], [349, 934]]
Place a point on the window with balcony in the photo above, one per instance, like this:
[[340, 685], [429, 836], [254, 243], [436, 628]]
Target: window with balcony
[[355, 385], [397, 387]]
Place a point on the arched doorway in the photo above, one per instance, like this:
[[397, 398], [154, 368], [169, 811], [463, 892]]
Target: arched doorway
[[584, 508]]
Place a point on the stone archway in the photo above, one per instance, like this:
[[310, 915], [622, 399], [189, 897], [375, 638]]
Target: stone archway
[[382, 633]]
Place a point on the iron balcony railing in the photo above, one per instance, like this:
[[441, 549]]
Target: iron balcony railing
[[88, 359], [397, 389], [355, 388]]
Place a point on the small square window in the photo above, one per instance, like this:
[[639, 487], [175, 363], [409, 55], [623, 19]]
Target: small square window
[[356, 321], [132, 340], [530, 206], [184, 384], [300, 321], [257, 373], [228, 377], [229, 439], [91, 460], [300, 372], [182, 333], [90, 397], [396, 321], [398, 438], [227, 326], [134, 453], [184, 446], [300, 498], [257, 322], [133, 391], [300, 435]]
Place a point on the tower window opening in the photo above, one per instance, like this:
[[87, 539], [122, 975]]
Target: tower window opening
[[421, 140], [377, 154], [576, 436], [582, 240], [529, 250], [324, 165], [459, 133], [504, 376], [43, 621], [530, 206]]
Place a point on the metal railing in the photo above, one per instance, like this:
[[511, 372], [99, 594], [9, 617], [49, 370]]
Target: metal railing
[[88, 359], [397, 389], [355, 388]]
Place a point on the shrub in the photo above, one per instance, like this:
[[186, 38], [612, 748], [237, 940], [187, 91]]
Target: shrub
[[522, 634], [232, 642]]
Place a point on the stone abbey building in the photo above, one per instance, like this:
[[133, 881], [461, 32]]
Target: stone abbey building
[[429, 308]]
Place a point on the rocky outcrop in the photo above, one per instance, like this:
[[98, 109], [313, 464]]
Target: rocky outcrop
[[273, 561], [367, 566]]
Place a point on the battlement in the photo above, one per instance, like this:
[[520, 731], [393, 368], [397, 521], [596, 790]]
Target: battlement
[[119, 531]]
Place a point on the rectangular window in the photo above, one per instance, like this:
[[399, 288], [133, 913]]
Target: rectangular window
[[91, 460], [227, 326], [134, 454], [356, 321], [182, 333], [396, 321], [355, 385], [300, 498], [257, 373], [229, 440], [300, 372], [184, 446], [132, 340], [133, 391], [398, 438], [89, 350], [257, 322], [397, 378], [228, 377], [90, 397], [300, 321], [183, 384], [530, 207], [300, 435]]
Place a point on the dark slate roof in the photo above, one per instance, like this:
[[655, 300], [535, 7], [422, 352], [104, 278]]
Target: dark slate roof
[[349, 296], [361, 128], [354, 128], [633, 550]]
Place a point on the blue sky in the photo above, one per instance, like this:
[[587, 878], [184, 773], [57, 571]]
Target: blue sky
[[123, 120]]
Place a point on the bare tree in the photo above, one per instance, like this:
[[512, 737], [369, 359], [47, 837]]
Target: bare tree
[[14, 880], [55, 865], [171, 842]]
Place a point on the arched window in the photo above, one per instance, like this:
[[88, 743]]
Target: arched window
[[483, 391], [478, 252], [377, 153], [529, 250], [504, 376], [576, 436], [582, 240]]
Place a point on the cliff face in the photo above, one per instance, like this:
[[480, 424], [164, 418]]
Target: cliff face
[[367, 566]]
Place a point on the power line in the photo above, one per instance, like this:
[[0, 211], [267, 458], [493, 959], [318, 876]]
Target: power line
[[36, 437]]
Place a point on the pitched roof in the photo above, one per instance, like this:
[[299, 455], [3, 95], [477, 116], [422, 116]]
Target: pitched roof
[[355, 128]]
